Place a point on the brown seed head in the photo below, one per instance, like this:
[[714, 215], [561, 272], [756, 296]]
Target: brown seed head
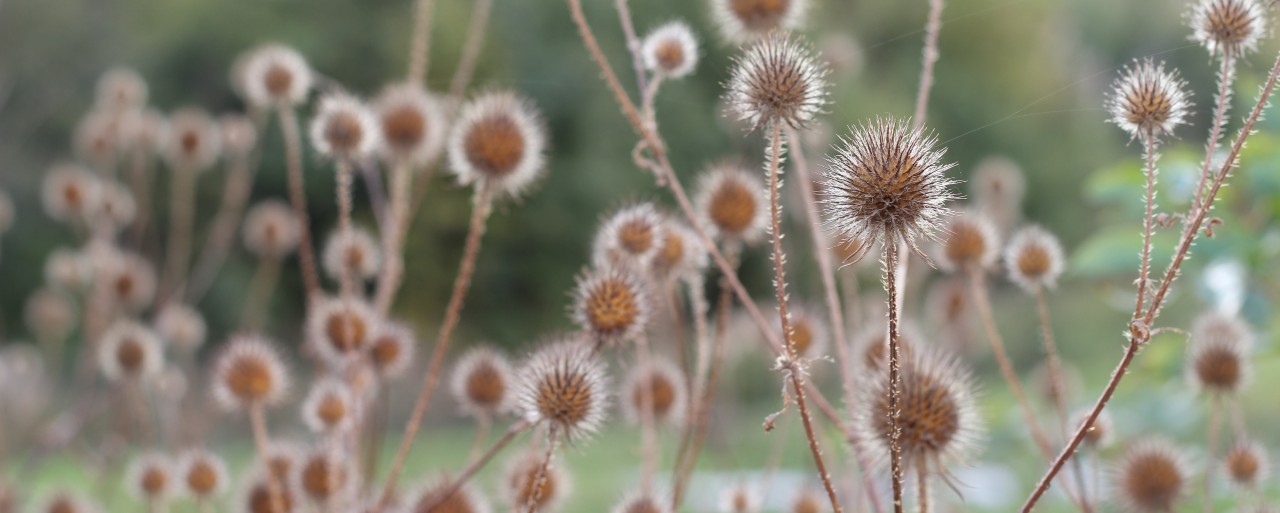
[[564, 384], [970, 243], [1152, 477], [259, 498], [664, 383], [249, 372], [521, 482], [1217, 357], [938, 413], [482, 382], [731, 203], [1247, 464], [1147, 101], [777, 80], [1228, 27], [611, 304]]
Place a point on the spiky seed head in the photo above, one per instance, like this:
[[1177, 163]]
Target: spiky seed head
[[1147, 101], [1247, 464], [612, 304], [872, 344], [643, 502], [249, 372], [1152, 477], [329, 407], [391, 350], [1218, 354], [731, 203], [239, 136], [681, 253], [520, 478], [498, 141], [1034, 258], [197, 140], [150, 477], [98, 137], [129, 351], [324, 477], [341, 329], [850, 249], [1228, 27], [664, 383], [121, 89], [271, 230], [1100, 433], [413, 124], [969, 242], [130, 280], [201, 474], [257, 497], [146, 131], [181, 326], [745, 20], [282, 458], [939, 417], [70, 193], [466, 499], [482, 382], [887, 181], [998, 187], [352, 251], [344, 128], [808, 501], [116, 207], [740, 498], [670, 50], [777, 80], [631, 236], [64, 501], [564, 385], [275, 75], [808, 331], [50, 315]]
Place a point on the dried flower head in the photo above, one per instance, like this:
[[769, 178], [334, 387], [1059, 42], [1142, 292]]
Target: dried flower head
[[1218, 354], [341, 329], [740, 498], [887, 181], [115, 209], [271, 230], [1100, 433], [1152, 477], [1228, 27], [239, 136], [70, 193], [329, 407], [665, 386], [744, 20], [68, 270], [465, 499], [680, 254], [731, 203], [521, 478], [197, 140], [808, 331], [325, 477], [630, 237], [181, 326], [564, 384], [872, 343], [939, 417], [275, 75], [352, 251], [202, 475], [67, 502], [777, 80], [391, 350], [129, 351], [150, 477], [282, 458], [256, 497], [498, 142], [98, 137], [248, 373], [969, 242], [130, 280], [643, 502], [344, 128], [121, 89], [146, 131], [808, 501], [997, 188], [49, 315], [612, 304], [413, 125], [670, 50], [1247, 464], [1147, 101], [1034, 258], [482, 382]]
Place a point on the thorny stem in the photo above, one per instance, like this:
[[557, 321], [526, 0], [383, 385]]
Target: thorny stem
[[931, 29], [393, 238], [222, 233], [346, 274], [1226, 75], [1144, 268], [453, 312], [420, 49], [1211, 448], [298, 198], [1139, 328], [476, 464], [181, 217], [540, 478], [275, 489], [471, 49], [633, 42], [258, 299], [1058, 386], [895, 385]]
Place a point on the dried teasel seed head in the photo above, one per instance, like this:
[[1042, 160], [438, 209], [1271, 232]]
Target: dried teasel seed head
[[130, 280], [498, 142], [341, 329], [283, 457], [68, 270], [344, 128], [353, 251], [1147, 101], [67, 502], [413, 125], [257, 497], [871, 344], [249, 372], [145, 131], [777, 80], [465, 499], [664, 383], [631, 236], [1152, 477], [939, 417], [330, 407], [680, 254], [129, 351], [740, 498], [744, 20], [483, 382], [391, 350], [670, 50], [808, 331], [271, 230], [115, 209], [121, 89], [239, 135], [612, 304], [564, 385], [151, 478], [50, 315], [1034, 258], [201, 474], [1228, 27], [887, 181], [731, 203], [997, 188], [1100, 433], [1218, 354], [520, 478], [196, 142], [275, 75], [181, 326], [808, 501], [643, 502], [1246, 464], [324, 477], [970, 242], [98, 138], [70, 193]]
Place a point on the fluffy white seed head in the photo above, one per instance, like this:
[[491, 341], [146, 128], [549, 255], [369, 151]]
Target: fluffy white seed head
[[391, 350], [498, 141], [564, 385], [970, 242], [341, 330], [344, 128], [129, 351], [249, 372], [352, 251], [1149, 102], [413, 125], [151, 477], [665, 386], [271, 230], [201, 474], [1228, 27], [612, 304], [330, 407], [181, 326], [1034, 258], [731, 203], [670, 50], [275, 75], [741, 21], [681, 253], [120, 90], [70, 193], [777, 80], [483, 382], [196, 140], [629, 237]]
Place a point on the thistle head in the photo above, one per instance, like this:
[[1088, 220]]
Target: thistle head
[[630, 237], [150, 478], [129, 351], [330, 407], [413, 125], [249, 372], [564, 385], [239, 136], [70, 193], [872, 344], [98, 137], [201, 474], [483, 382], [746, 20], [130, 279], [68, 270], [520, 479], [1228, 27], [1034, 258], [969, 243], [1149, 102], [341, 329], [325, 477], [671, 50], [274, 75], [271, 230], [120, 90], [49, 315], [1152, 477], [391, 351], [777, 80], [680, 254], [612, 304], [146, 130], [663, 384], [808, 332], [1100, 433], [498, 141], [731, 203], [116, 207], [344, 128], [353, 251], [1218, 354], [196, 140], [1247, 464], [181, 326]]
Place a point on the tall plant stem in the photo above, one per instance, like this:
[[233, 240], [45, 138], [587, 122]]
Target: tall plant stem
[[182, 195], [347, 275], [393, 238], [481, 207], [258, 299], [648, 429], [1056, 381], [471, 49], [1211, 449], [922, 486], [1139, 331], [478, 461], [298, 199], [420, 45], [1148, 224], [540, 477], [895, 378], [262, 444], [222, 232], [140, 185], [931, 29], [1226, 76], [633, 42]]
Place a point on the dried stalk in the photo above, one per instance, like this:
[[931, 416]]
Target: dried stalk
[[182, 198], [298, 199], [420, 45], [931, 29], [471, 49], [895, 378], [393, 238], [347, 277], [258, 300], [222, 231], [1226, 76], [275, 489]]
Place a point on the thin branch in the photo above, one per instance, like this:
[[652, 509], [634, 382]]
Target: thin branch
[[895, 378], [471, 49], [420, 45], [298, 199], [931, 29]]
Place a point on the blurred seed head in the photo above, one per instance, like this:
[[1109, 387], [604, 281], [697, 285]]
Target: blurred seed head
[[354, 251], [116, 208], [271, 230], [731, 203], [612, 304], [564, 385], [643, 502], [202, 475], [64, 501], [98, 137], [741, 21], [341, 329], [256, 497], [520, 478], [887, 181], [120, 90], [150, 478], [70, 193], [740, 498], [283, 457], [466, 499], [196, 140], [130, 280], [680, 253], [1100, 433], [146, 131], [872, 344], [808, 501], [330, 407], [670, 50], [344, 128], [629, 237], [845, 53], [325, 477], [68, 270], [275, 75], [808, 331], [1218, 354], [998, 188], [413, 125], [969, 242], [249, 372], [50, 315], [1034, 259], [1152, 477], [777, 80], [482, 382], [498, 141], [391, 350], [181, 326], [1147, 101], [665, 383], [1228, 27], [239, 135], [1247, 464], [129, 351]]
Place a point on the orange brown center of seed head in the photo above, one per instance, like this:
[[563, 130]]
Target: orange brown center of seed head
[[966, 244], [929, 419], [485, 386], [733, 207], [495, 146], [1033, 261], [403, 127], [202, 478], [662, 390], [612, 307], [760, 15], [670, 54], [1218, 368], [346, 330], [343, 132], [636, 236], [278, 80], [250, 378], [130, 355], [1152, 481]]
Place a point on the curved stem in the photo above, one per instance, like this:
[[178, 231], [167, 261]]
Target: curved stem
[[471, 49], [931, 29], [895, 379], [298, 199], [633, 42], [420, 45]]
